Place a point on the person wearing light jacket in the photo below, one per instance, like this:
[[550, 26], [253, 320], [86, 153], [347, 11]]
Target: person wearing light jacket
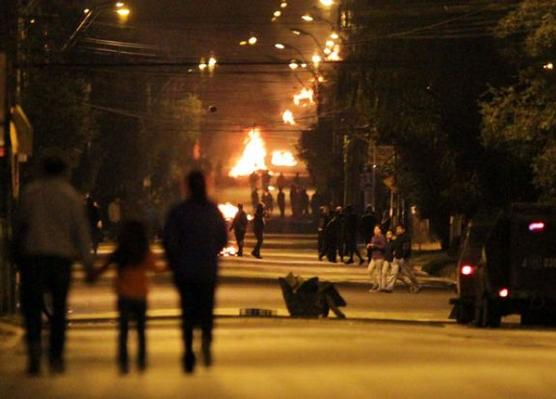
[[51, 232]]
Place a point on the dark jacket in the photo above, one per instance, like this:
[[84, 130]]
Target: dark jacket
[[239, 224], [258, 224], [389, 251], [402, 246], [350, 227], [194, 234]]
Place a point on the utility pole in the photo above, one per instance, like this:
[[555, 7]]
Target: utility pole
[[8, 52]]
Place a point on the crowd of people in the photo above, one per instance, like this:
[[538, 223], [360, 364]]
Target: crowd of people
[[301, 204], [388, 247], [52, 228]]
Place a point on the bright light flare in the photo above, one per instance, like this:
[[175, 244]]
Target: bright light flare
[[228, 210], [277, 14], [123, 12], [252, 40], [307, 18], [280, 46], [283, 158], [467, 270], [316, 59], [536, 227], [293, 65], [329, 43], [549, 66], [253, 156], [334, 36], [327, 3], [119, 4], [303, 97], [283, 4], [287, 117], [503, 293]]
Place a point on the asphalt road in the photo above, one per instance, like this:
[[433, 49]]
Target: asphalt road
[[288, 358], [234, 294]]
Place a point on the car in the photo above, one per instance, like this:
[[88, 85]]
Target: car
[[468, 260], [507, 265]]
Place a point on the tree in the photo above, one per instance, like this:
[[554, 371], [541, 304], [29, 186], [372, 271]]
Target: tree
[[519, 119]]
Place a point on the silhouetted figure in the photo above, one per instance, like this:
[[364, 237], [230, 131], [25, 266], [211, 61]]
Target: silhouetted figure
[[239, 226], [294, 200], [386, 222], [324, 218], [258, 229], [265, 180], [350, 235], [194, 235], [268, 202], [368, 223], [115, 217], [281, 181], [52, 227], [341, 233], [133, 258], [254, 198], [332, 236], [303, 202], [253, 180], [315, 205], [297, 180], [95, 222], [281, 199]]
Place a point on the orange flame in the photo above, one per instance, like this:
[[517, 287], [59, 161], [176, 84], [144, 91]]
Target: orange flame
[[283, 158], [253, 157], [303, 97]]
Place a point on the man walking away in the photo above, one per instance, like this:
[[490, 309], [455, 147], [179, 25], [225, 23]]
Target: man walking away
[[281, 199], [350, 232], [239, 226], [258, 229], [253, 180], [194, 235], [402, 253], [52, 227]]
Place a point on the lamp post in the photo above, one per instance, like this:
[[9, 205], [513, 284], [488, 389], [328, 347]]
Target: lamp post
[[91, 14]]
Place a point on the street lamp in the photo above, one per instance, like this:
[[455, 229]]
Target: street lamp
[[91, 14]]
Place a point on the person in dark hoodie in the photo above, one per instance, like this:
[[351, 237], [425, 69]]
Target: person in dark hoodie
[[194, 234], [402, 253], [258, 229]]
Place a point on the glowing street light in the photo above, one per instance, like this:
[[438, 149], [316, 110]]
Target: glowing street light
[[252, 40], [293, 65], [280, 46], [123, 12], [243, 43], [549, 66], [307, 18], [327, 3], [316, 59], [277, 13], [283, 4], [202, 64], [334, 36]]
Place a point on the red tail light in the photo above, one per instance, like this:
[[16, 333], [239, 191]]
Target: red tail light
[[467, 270], [536, 227]]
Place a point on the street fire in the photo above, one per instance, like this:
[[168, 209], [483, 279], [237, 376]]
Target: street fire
[[283, 158], [288, 118], [228, 210], [253, 157], [303, 97]]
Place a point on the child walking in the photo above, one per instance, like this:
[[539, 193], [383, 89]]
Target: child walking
[[133, 259]]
